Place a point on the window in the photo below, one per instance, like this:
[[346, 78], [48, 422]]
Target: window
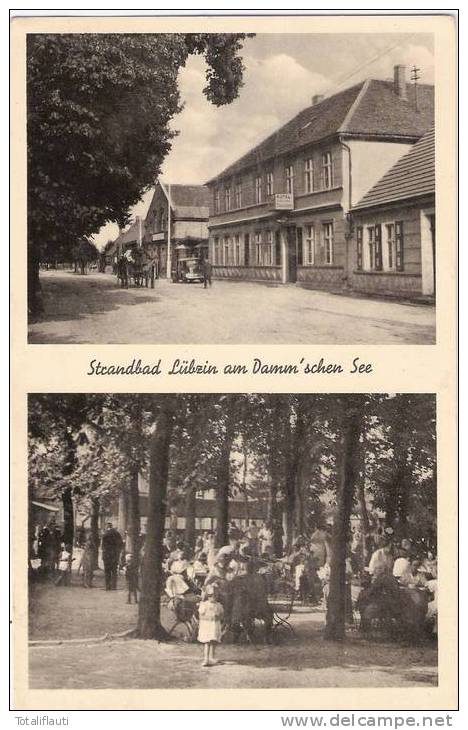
[[290, 179], [216, 251], [327, 234], [264, 249], [268, 249], [308, 176], [227, 199], [269, 183], [380, 247], [258, 248], [327, 171], [369, 257], [389, 263], [216, 201], [258, 189], [237, 251], [227, 252], [399, 246], [246, 249], [309, 246], [239, 195]]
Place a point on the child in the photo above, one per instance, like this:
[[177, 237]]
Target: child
[[64, 566], [131, 576], [209, 630]]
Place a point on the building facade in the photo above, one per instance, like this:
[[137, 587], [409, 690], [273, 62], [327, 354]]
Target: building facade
[[394, 225], [281, 212], [177, 221]]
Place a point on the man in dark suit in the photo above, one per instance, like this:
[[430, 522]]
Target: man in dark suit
[[112, 545], [207, 270]]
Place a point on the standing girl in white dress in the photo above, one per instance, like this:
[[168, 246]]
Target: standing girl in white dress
[[210, 612]]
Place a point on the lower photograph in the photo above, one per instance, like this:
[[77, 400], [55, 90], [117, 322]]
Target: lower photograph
[[255, 540]]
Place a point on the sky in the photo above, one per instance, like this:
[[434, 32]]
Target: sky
[[282, 73]]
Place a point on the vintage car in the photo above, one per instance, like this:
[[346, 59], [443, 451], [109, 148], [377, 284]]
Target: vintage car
[[187, 270]]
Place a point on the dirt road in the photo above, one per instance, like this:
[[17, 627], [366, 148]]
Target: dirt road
[[92, 309]]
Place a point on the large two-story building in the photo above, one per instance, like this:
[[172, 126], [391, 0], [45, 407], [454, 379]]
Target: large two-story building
[[281, 212]]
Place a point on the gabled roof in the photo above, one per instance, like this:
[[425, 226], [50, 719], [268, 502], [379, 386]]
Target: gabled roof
[[370, 109], [190, 196], [130, 235], [412, 176], [187, 201]]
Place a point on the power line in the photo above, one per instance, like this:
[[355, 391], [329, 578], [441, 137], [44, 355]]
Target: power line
[[341, 81]]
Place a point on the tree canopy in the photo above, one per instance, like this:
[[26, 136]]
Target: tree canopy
[[309, 458], [99, 111]]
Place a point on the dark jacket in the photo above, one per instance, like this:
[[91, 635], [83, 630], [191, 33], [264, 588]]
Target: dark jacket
[[111, 544]]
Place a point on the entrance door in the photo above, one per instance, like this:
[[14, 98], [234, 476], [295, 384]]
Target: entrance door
[[433, 239], [427, 227], [292, 254]]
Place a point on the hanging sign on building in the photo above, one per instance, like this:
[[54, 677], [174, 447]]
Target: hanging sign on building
[[284, 201]]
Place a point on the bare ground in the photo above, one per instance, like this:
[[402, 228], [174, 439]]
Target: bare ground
[[305, 660], [93, 309]]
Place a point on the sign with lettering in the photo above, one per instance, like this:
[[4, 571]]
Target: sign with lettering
[[284, 201]]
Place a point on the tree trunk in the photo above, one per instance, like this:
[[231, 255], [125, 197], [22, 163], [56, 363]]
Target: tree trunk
[[149, 614], [189, 511], [222, 487], [94, 528], [133, 514], [35, 305], [361, 495], [68, 517], [336, 609], [244, 486]]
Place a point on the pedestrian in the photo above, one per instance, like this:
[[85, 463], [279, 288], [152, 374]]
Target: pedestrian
[[87, 563], [111, 544], [64, 566], [131, 577], [207, 271], [211, 613]]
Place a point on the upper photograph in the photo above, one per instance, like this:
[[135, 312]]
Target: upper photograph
[[231, 188]]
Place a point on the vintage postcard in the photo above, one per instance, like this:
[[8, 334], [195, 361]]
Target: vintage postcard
[[226, 493]]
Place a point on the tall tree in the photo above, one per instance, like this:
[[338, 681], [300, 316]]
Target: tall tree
[[99, 111], [149, 614], [351, 417]]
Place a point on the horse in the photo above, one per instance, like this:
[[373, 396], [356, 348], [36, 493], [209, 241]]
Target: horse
[[150, 272], [122, 272]]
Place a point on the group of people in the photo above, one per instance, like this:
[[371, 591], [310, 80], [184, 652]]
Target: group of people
[[240, 575]]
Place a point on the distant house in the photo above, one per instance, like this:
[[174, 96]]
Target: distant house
[[177, 216], [240, 511], [128, 239], [280, 212], [394, 227]]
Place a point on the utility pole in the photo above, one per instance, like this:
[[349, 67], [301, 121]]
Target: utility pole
[[414, 78], [169, 253]]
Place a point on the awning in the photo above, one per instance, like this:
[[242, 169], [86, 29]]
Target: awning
[[45, 506]]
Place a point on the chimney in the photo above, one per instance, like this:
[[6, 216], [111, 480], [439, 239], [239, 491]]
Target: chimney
[[316, 99], [399, 81]]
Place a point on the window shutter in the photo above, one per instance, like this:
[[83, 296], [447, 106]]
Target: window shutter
[[246, 249], [378, 247], [300, 255], [359, 247], [399, 246], [277, 248]]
